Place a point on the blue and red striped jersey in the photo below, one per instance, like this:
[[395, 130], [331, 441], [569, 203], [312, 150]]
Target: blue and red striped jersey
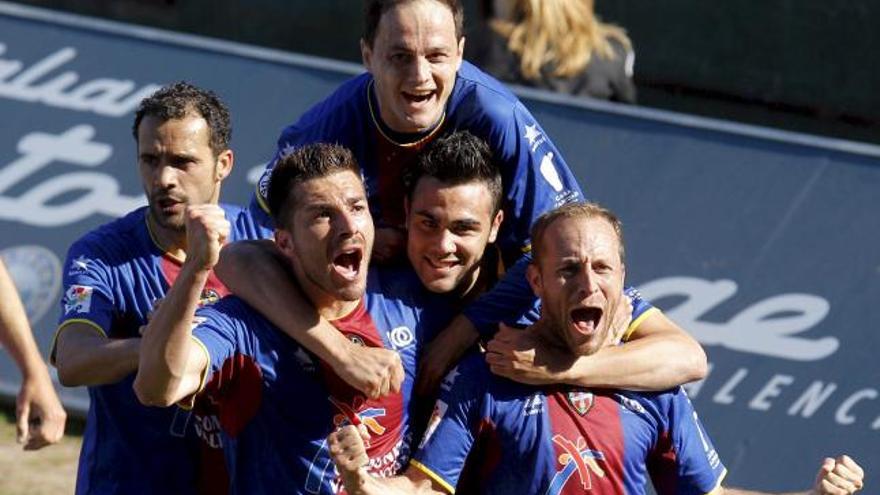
[[535, 176], [113, 277], [491, 435], [277, 402]]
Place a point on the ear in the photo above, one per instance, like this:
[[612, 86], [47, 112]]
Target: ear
[[367, 55], [533, 275], [284, 241], [496, 224], [460, 53], [225, 161], [406, 211]]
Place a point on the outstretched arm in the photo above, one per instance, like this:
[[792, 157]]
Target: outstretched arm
[[840, 476], [256, 272], [658, 355], [171, 365], [39, 416]]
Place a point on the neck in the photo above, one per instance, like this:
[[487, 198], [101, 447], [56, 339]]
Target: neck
[[545, 331], [170, 241], [337, 309], [484, 275]]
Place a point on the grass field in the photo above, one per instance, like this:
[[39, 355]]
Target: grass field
[[51, 470]]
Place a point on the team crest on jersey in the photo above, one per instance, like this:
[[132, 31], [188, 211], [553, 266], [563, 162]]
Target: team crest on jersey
[[369, 416], [78, 299], [575, 458], [449, 379], [581, 401], [209, 296]]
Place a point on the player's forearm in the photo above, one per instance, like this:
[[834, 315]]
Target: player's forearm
[[84, 358], [165, 374], [398, 485], [650, 363], [254, 271]]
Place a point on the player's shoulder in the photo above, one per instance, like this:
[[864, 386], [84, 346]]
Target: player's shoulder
[[659, 406], [479, 97], [121, 238]]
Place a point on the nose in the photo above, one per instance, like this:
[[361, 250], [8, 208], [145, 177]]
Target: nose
[[587, 281], [421, 70], [446, 242], [346, 224], [165, 176]]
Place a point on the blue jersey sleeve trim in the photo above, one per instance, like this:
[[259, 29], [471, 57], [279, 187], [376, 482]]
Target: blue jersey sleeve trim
[[63, 326], [431, 474], [638, 321]]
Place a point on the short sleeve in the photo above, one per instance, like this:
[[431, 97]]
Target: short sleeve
[[684, 461], [642, 309], [451, 429], [88, 297]]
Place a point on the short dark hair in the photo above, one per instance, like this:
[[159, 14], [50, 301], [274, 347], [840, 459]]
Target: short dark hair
[[457, 158], [176, 100], [584, 210], [375, 9], [305, 163]]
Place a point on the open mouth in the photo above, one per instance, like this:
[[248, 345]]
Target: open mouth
[[418, 97], [586, 320], [348, 262], [442, 265]]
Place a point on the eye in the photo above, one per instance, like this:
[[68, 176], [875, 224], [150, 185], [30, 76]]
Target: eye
[[400, 58], [567, 270], [602, 268], [429, 224]]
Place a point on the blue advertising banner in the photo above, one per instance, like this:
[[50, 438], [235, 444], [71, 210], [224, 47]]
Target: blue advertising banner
[[764, 245]]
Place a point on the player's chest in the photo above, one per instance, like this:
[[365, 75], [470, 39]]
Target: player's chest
[[579, 442]]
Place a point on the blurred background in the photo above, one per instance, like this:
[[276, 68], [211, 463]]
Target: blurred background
[[747, 176], [805, 65]]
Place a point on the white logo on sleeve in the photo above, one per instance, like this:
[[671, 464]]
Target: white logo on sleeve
[[548, 170], [449, 381], [78, 299], [79, 265], [532, 135], [439, 411]]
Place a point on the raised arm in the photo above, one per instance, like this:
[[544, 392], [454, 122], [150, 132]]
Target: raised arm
[[171, 364], [658, 355], [39, 416], [256, 272]]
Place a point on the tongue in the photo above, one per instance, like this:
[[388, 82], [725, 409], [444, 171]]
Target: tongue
[[348, 262], [586, 319]]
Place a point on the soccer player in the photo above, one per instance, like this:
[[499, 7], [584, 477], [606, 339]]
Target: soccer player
[[276, 401], [39, 417], [418, 88], [571, 439], [115, 276]]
